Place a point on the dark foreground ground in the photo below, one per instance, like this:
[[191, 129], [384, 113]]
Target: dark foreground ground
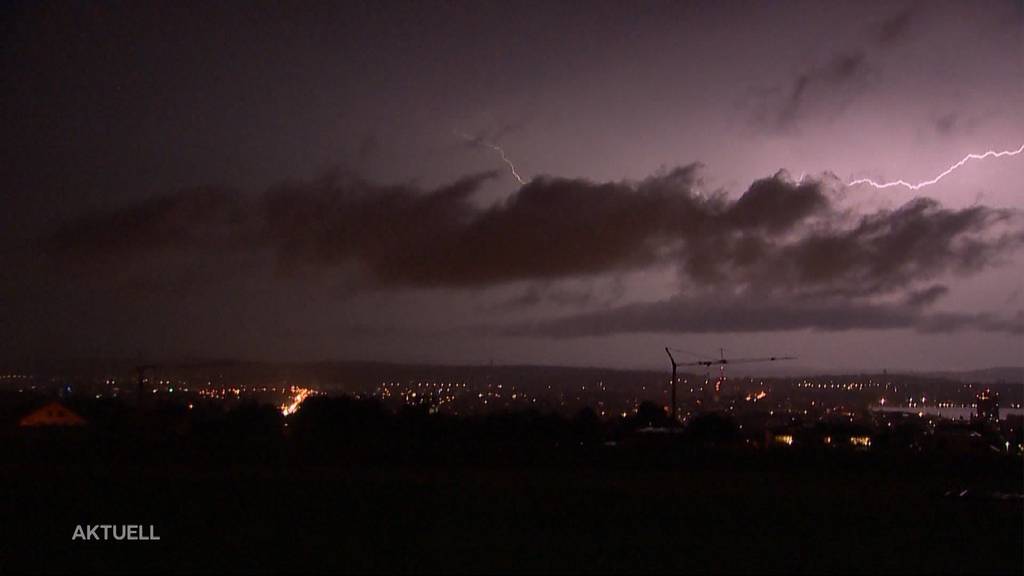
[[722, 512]]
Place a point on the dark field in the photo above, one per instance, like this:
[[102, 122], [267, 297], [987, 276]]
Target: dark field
[[724, 512]]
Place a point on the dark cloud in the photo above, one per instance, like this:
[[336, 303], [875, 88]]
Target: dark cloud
[[1015, 295], [730, 314], [985, 322], [828, 87], [196, 219], [491, 135], [549, 229], [895, 29], [781, 242], [401, 235], [926, 296], [831, 85], [775, 204], [534, 295], [951, 123], [723, 313], [946, 123], [878, 253], [192, 238]]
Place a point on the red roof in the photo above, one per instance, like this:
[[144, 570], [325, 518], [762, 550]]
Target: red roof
[[53, 414]]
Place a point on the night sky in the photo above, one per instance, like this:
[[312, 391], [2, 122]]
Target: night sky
[[301, 181]]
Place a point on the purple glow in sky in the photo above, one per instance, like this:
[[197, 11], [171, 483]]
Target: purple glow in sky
[[551, 183]]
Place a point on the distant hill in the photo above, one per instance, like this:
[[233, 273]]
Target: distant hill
[[1006, 374], [369, 371]]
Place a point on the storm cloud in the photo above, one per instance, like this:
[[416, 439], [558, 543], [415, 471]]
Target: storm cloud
[[830, 85], [403, 236], [168, 187], [718, 314], [784, 254], [827, 87]]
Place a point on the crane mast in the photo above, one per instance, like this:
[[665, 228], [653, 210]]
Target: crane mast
[[673, 361], [721, 361]]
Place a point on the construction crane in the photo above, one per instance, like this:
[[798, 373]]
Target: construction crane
[[721, 361]]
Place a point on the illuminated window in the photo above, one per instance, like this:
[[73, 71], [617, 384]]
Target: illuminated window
[[864, 441]]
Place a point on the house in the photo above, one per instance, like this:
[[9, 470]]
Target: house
[[53, 414]]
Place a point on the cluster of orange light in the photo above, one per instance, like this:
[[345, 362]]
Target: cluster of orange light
[[299, 395], [220, 393], [438, 394], [856, 441], [759, 395]]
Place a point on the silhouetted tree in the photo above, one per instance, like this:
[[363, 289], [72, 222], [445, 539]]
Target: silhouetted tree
[[712, 428], [649, 414], [586, 423]]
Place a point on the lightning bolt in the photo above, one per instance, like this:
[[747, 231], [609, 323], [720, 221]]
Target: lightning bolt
[[501, 151], [946, 172], [511, 166]]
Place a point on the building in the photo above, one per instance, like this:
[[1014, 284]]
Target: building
[[988, 406], [53, 414]]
